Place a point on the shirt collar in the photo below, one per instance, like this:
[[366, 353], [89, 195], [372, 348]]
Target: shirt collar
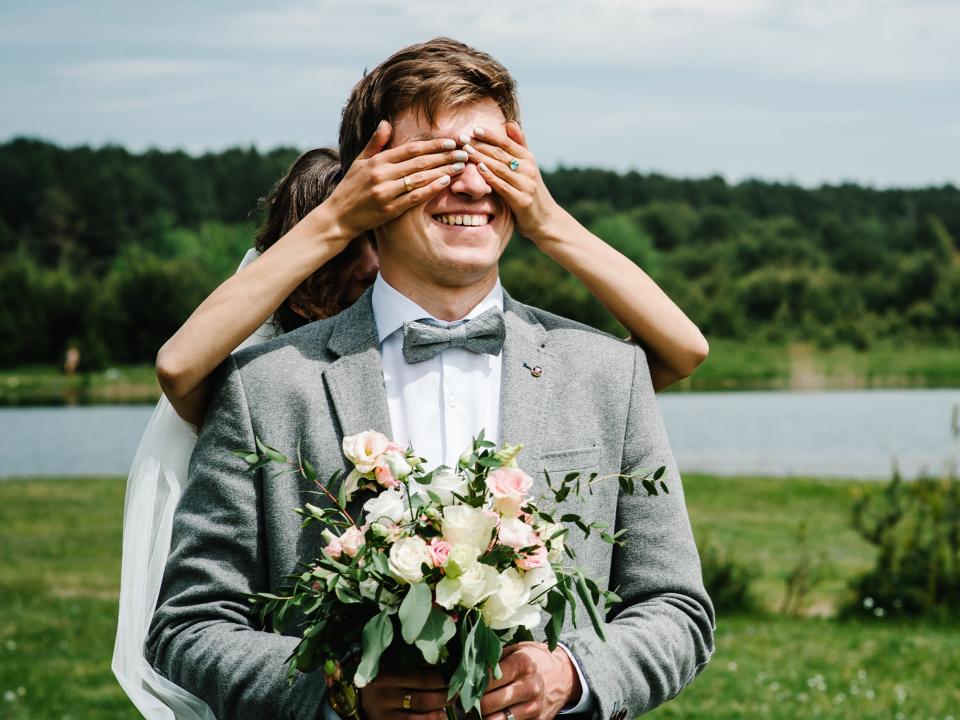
[[391, 308]]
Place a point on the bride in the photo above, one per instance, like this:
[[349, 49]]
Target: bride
[[315, 256]]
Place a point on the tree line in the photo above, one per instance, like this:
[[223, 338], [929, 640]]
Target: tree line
[[111, 250]]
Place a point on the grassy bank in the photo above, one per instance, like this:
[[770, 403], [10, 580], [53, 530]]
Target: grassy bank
[[59, 579], [730, 366]]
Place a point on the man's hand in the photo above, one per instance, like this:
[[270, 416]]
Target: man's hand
[[536, 683], [383, 698]]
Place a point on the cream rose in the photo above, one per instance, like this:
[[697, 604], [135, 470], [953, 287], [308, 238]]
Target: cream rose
[[465, 525], [407, 555], [389, 505], [509, 487], [365, 449], [516, 533], [510, 607], [476, 584], [539, 580], [445, 484]]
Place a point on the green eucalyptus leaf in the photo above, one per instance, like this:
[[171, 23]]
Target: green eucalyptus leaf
[[414, 611], [377, 636]]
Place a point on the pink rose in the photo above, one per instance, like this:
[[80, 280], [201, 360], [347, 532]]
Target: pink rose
[[352, 540], [384, 477], [509, 487], [439, 549], [333, 548], [535, 559]]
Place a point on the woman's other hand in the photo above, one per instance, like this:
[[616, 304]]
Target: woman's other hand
[[523, 189], [383, 184]]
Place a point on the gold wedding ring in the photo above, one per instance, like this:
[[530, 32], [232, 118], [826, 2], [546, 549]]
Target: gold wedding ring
[[406, 189], [406, 699]]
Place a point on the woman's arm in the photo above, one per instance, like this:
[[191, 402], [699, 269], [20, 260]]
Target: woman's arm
[[372, 192], [240, 305], [675, 346]]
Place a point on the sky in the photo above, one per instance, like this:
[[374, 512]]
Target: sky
[[809, 92]]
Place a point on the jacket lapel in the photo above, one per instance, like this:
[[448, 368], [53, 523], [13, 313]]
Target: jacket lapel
[[355, 379], [528, 380]]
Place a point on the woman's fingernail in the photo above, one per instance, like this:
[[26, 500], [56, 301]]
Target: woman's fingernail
[[479, 131], [457, 167], [460, 156], [483, 166], [444, 179], [449, 144], [469, 149], [464, 138]]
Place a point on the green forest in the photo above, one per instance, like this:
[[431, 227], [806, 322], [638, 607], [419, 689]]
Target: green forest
[[111, 250]]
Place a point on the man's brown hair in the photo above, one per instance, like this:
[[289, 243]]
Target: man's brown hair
[[433, 75]]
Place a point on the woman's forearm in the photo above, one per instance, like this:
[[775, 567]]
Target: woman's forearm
[[674, 344], [239, 306]]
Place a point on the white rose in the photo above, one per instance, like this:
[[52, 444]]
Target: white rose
[[390, 505], [539, 580], [460, 559], [406, 557], [445, 484], [397, 462], [477, 583], [364, 449], [515, 533], [509, 607], [465, 525]]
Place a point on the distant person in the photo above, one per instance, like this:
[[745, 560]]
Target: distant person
[[318, 257], [72, 361]]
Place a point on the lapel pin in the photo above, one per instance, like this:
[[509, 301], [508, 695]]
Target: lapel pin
[[536, 370]]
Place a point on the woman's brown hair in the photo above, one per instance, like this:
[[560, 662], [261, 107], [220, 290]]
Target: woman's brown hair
[[308, 182]]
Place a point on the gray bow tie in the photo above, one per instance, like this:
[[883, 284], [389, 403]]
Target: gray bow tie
[[425, 339]]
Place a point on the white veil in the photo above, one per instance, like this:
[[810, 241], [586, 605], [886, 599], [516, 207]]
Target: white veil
[[154, 486]]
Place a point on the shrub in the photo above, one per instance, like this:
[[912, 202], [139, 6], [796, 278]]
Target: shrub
[[916, 529], [727, 581]]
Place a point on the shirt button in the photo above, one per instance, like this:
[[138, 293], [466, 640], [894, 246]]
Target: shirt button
[[452, 400]]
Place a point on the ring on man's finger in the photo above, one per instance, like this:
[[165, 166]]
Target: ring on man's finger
[[514, 165], [508, 714], [406, 188], [405, 701]]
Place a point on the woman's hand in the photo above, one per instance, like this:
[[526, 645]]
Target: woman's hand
[[523, 189], [383, 184]]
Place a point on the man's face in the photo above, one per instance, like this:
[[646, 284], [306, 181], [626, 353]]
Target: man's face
[[419, 241]]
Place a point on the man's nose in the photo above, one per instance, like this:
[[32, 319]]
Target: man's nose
[[470, 182]]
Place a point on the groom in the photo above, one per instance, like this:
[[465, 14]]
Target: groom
[[577, 399]]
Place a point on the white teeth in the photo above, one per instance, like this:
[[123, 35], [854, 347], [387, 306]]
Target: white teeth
[[470, 220]]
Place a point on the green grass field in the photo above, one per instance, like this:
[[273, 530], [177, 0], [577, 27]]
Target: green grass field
[[60, 574]]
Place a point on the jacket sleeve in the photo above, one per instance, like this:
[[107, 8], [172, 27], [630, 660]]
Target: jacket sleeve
[[204, 635], [661, 635]]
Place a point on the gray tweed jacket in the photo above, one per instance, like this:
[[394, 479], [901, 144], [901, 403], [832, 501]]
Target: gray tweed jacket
[[590, 407]]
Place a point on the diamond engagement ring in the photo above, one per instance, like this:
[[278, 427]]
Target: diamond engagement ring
[[508, 714], [405, 701], [514, 165]]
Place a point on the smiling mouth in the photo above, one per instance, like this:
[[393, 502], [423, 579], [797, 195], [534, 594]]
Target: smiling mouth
[[463, 220]]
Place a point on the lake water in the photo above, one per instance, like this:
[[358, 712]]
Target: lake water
[[857, 433]]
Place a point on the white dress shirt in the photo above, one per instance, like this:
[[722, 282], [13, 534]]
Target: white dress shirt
[[437, 406]]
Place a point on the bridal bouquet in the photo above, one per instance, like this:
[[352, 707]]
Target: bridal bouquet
[[442, 567]]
